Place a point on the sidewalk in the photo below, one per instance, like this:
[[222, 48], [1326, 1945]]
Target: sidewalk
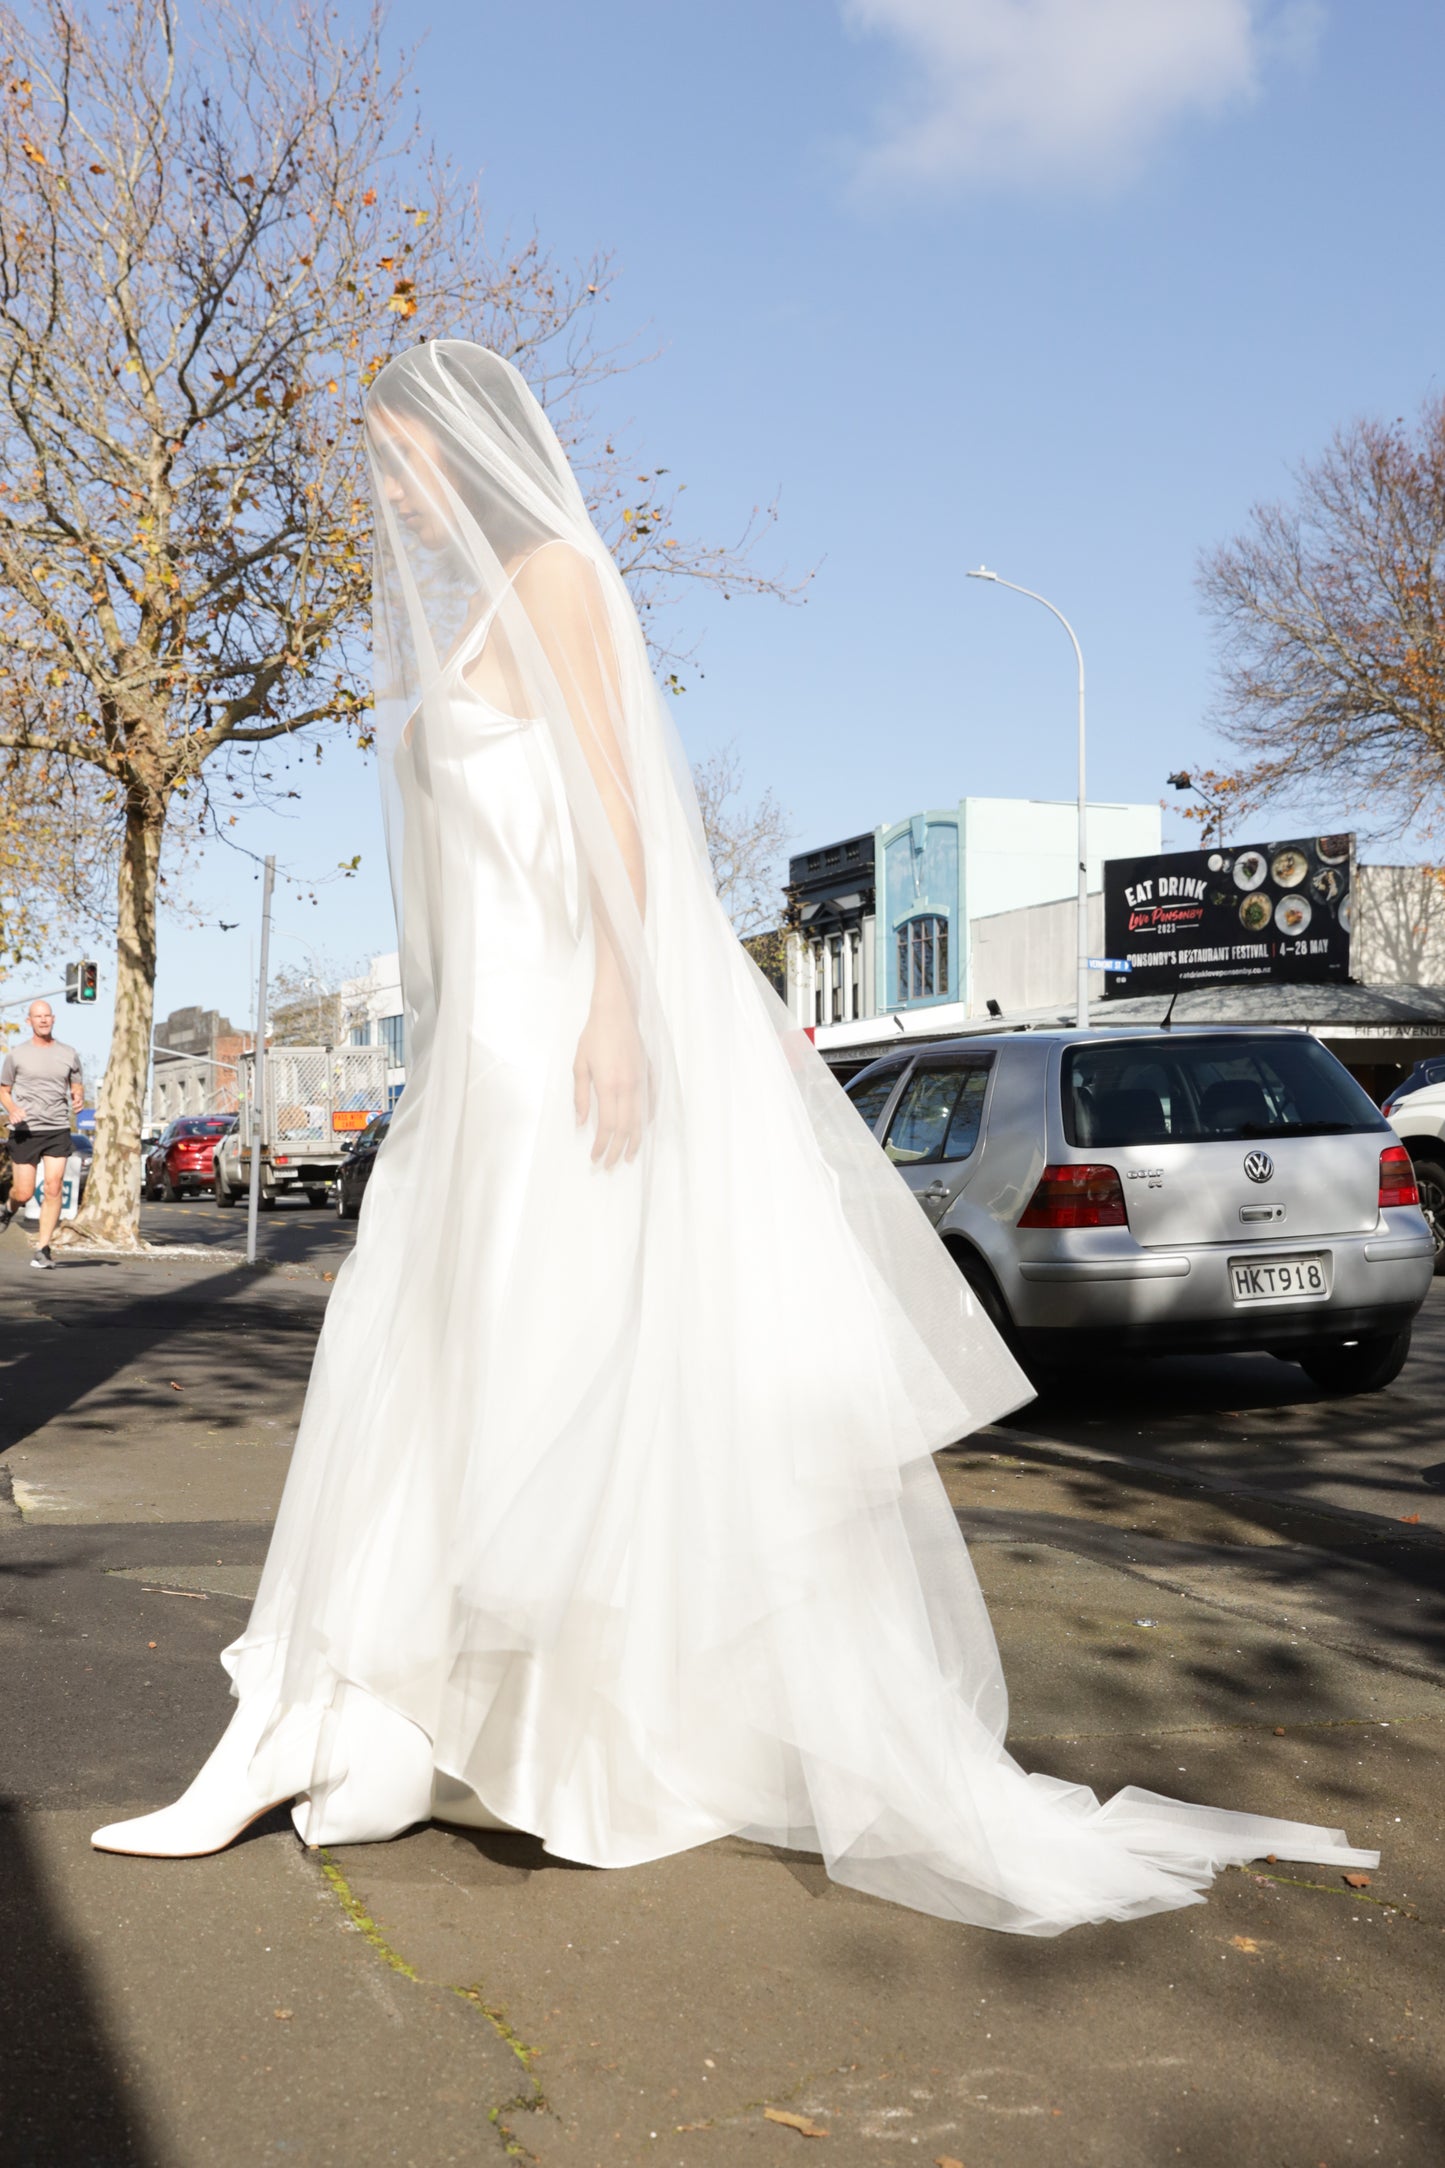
[[449, 1996]]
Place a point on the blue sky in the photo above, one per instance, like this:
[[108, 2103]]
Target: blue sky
[[1060, 286]]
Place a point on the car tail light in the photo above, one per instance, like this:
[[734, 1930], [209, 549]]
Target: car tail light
[[281, 1159], [1088, 1196], [1397, 1177]]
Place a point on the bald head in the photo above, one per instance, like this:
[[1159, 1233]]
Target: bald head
[[42, 1019]]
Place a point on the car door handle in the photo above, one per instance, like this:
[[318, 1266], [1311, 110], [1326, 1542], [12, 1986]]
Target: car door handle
[[937, 1192]]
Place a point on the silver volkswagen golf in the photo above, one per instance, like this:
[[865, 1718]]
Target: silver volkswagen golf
[[1165, 1190]]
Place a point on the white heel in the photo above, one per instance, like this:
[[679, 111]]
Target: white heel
[[386, 1784], [214, 1809]]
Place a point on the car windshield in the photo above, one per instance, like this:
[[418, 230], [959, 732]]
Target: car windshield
[[201, 1126], [1196, 1090]]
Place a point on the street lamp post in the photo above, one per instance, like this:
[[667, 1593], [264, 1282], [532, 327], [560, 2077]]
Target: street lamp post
[[983, 573]]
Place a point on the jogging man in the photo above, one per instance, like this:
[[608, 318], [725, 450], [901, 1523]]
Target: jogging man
[[40, 1089]]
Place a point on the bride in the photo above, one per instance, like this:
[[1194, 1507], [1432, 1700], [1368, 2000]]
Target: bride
[[612, 1515]]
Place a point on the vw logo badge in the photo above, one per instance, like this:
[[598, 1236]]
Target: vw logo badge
[[1258, 1166]]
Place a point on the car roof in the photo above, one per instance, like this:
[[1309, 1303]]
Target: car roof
[[990, 1041]]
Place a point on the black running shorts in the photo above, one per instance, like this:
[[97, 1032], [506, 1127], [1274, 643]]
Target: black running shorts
[[29, 1150]]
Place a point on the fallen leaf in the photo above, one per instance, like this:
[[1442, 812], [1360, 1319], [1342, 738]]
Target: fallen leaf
[[1410, 1520], [1273, 1858], [150, 1644], [1279, 1731], [946, 2160], [1243, 1942], [1357, 1881], [283, 2013], [802, 2123], [176, 1388]]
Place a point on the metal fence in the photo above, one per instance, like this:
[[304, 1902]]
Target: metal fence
[[315, 1095]]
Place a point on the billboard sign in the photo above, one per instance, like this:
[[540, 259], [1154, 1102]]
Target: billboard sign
[[1247, 911]]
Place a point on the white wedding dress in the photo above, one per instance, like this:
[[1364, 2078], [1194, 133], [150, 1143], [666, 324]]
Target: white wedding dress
[[612, 1516]]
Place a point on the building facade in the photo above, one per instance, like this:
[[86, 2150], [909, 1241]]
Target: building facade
[[883, 921], [194, 1058], [1388, 1015], [372, 1014]]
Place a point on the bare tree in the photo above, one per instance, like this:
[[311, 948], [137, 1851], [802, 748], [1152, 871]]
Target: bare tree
[[745, 843], [54, 843], [304, 1011], [1331, 612], [207, 251]]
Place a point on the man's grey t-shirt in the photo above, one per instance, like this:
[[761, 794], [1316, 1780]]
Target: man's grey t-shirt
[[38, 1076]]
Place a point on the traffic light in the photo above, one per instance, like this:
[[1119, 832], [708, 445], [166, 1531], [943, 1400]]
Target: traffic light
[[80, 981]]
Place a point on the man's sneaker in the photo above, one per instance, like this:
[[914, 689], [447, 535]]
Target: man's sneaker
[[8, 1213], [42, 1261]]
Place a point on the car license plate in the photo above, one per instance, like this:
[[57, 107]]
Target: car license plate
[[1279, 1279]]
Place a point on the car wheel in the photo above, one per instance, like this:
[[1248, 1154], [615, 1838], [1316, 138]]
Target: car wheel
[[225, 1195], [985, 1289], [1430, 1175], [1366, 1365], [344, 1209]]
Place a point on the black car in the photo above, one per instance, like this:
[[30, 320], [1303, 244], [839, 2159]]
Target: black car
[[357, 1165], [1423, 1073]]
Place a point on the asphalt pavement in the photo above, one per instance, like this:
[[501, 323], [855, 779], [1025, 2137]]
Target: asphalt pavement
[[1205, 1578]]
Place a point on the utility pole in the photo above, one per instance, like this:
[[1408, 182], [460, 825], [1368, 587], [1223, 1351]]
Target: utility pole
[[258, 1066]]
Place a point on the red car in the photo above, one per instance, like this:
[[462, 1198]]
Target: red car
[[180, 1160]]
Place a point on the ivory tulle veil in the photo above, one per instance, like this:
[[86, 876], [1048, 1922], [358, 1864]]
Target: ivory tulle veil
[[613, 1492]]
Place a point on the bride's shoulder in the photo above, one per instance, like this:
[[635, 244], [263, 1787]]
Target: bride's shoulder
[[557, 577]]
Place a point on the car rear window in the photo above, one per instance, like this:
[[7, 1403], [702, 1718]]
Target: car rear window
[[1196, 1090], [200, 1126]]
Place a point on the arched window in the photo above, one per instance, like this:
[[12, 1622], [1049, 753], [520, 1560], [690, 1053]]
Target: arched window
[[923, 959]]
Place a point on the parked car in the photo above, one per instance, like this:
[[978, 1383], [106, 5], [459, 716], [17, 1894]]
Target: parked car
[[356, 1167], [1418, 1120], [1423, 1074], [1155, 1192], [228, 1183], [180, 1162]]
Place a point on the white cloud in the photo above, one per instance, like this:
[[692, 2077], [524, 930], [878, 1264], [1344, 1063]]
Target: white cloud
[[1038, 92]]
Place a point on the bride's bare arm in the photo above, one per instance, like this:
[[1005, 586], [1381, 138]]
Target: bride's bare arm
[[559, 591]]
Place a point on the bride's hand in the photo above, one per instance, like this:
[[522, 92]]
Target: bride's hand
[[610, 1062]]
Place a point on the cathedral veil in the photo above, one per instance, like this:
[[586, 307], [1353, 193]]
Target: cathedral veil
[[613, 1487]]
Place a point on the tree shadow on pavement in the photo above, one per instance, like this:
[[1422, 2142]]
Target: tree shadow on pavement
[[290, 1233], [65, 2097], [84, 1338]]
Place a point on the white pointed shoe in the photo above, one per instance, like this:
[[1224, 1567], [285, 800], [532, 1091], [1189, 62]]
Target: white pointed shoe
[[214, 1809], [387, 1784]]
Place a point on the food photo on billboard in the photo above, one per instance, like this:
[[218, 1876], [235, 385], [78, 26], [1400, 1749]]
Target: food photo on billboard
[[1248, 911]]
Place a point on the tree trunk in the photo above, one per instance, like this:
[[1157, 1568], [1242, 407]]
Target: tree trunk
[[112, 1194]]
